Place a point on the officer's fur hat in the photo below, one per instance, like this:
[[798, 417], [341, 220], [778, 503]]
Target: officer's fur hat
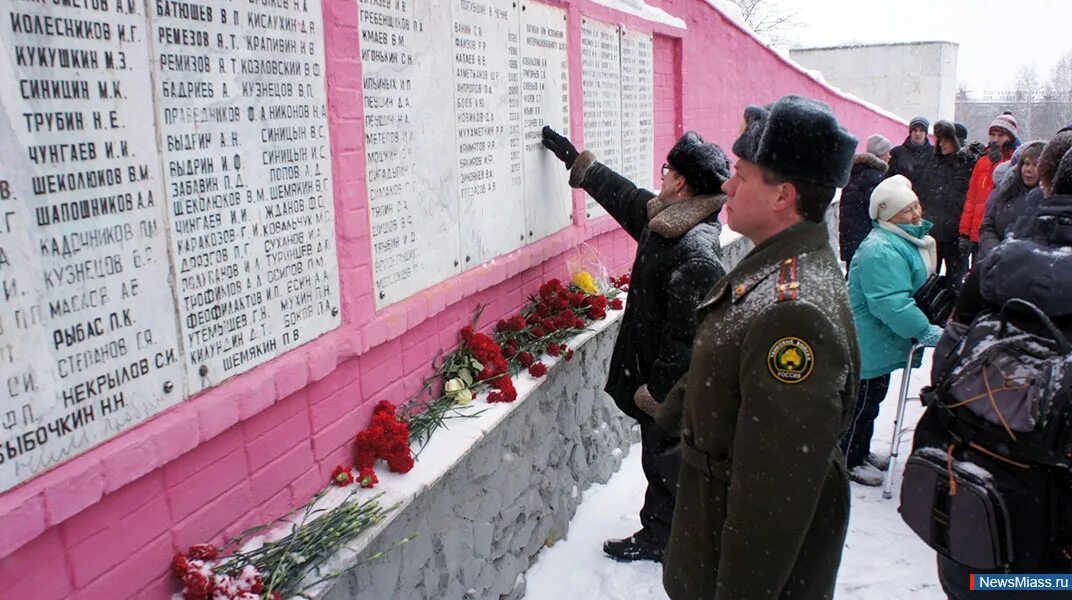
[[799, 139], [704, 166]]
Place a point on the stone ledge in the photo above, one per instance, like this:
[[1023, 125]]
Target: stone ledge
[[491, 491]]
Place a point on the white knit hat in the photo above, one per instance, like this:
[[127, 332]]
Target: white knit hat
[[891, 197]]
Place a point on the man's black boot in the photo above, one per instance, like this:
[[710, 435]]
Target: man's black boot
[[639, 546]]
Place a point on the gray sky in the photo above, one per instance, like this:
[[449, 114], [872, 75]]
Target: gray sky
[[995, 36]]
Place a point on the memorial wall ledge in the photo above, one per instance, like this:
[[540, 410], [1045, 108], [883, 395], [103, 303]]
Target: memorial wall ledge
[[73, 486], [444, 452]]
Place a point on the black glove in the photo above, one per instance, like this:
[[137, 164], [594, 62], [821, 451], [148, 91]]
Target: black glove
[[964, 244], [561, 146], [994, 152]]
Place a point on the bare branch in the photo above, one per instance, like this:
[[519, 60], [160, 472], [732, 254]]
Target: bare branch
[[767, 19]]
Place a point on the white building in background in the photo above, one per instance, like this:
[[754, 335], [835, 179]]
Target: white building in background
[[907, 79]]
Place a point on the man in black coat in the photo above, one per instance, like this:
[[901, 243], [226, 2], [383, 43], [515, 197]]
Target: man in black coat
[[1032, 265], [941, 190], [677, 261], [854, 220], [910, 158]]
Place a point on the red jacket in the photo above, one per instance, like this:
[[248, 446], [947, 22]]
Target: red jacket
[[979, 188]]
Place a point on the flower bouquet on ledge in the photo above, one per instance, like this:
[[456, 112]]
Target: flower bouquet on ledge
[[483, 362], [276, 567], [253, 569]]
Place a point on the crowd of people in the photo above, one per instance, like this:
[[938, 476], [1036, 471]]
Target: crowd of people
[[756, 390]]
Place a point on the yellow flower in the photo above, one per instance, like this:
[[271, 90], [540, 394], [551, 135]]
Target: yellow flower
[[454, 386], [585, 281], [463, 397]]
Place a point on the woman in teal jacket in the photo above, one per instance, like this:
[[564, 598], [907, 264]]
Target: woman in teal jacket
[[891, 263]]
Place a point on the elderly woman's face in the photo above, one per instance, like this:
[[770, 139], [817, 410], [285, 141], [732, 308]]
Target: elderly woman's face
[[910, 215]]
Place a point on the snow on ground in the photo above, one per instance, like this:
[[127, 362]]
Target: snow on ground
[[883, 559]]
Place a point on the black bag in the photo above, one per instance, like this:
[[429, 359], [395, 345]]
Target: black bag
[[987, 484], [935, 299]]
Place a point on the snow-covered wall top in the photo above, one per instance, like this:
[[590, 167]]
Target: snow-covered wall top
[[908, 79], [248, 448]]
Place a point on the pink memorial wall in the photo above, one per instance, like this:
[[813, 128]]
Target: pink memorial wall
[[106, 523]]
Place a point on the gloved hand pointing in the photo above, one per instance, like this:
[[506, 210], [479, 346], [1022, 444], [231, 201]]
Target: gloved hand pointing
[[561, 146]]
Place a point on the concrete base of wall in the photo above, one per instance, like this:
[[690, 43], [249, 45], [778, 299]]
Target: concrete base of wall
[[482, 523]]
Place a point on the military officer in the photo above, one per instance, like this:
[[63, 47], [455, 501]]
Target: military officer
[[763, 501]]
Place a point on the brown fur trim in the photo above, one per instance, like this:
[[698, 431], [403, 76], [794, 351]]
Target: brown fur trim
[[870, 160], [645, 401], [580, 168], [674, 220]]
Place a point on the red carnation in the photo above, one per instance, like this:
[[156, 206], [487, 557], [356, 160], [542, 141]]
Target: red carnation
[[203, 552], [538, 369], [384, 407], [526, 359], [400, 463], [342, 476], [616, 304], [197, 583], [505, 390], [554, 349], [510, 349], [517, 322], [496, 396], [569, 355], [537, 332], [367, 477], [179, 565]]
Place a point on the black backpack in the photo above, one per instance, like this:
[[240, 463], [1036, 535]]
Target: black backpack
[[988, 482]]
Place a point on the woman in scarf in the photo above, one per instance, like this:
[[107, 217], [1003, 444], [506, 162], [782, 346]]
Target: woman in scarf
[[892, 262]]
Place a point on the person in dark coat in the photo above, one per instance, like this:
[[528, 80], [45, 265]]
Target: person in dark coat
[[763, 497], [1008, 201], [910, 158], [1047, 167], [678, 259], [962, 133], [975, 149], [854, 223], [1033, 265], [942, 191]]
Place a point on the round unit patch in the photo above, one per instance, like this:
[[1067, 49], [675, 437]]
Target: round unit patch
[[790, 360]]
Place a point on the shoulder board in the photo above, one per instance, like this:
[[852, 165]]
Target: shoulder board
[[788, 287]]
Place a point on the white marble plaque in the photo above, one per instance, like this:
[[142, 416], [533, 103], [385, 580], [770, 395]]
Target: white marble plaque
[[638, 126], [544, 101], [601, 74], [487, 114], [242, 111], [407, 60], [88, 342]]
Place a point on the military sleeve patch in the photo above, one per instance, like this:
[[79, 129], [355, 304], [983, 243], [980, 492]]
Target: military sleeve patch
[[790, 360]]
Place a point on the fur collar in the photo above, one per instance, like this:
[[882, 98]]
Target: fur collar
[[673, 220], [869, 160]]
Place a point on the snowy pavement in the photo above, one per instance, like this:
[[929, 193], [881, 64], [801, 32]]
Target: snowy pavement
[[883, 559]]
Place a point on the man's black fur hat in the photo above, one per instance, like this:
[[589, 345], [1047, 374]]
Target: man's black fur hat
[[799, 139], [704, 166]]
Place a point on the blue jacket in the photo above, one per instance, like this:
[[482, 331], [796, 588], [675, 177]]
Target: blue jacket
[[885, 272]]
